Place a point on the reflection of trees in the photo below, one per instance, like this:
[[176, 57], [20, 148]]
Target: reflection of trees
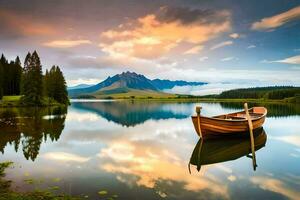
[[274, 109], [30, 127], [131, 113]]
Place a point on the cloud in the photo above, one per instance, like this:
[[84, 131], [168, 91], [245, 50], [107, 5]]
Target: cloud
[[290, 60], [194, 50], [234, 35], [211, 88], [295, 68], [66, 43], [155, 35], [14, 24], [222, 44], [251, 46], [203, 58], [228, 59], [277, 20]]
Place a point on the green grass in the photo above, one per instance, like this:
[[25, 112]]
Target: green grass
[[132, 94], [15, 101], [11, 98]]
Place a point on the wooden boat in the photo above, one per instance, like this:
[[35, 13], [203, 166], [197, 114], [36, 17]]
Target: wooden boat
[[208, 152], [232, 123]]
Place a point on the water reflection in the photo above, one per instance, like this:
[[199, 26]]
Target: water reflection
[[147, 157], [224, 149], [274, 109], [30, 127], [131, 113]]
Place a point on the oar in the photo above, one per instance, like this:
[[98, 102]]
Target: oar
[[251, 136], [199, 155], [198, 110]]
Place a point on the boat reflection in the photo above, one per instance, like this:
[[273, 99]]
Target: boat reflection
[[217, 150]]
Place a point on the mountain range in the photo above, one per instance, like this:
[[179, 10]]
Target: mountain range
[[128, 84]]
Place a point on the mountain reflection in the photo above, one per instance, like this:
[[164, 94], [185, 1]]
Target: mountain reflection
[[131, 113], [219, 150], [30, 127]]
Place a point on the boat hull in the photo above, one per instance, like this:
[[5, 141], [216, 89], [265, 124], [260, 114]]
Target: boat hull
[[213, 126]]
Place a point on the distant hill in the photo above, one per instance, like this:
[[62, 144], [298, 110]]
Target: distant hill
[[80, 86], [272, 92], [129, 84]]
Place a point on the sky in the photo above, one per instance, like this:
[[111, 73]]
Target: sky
[[227, 43]]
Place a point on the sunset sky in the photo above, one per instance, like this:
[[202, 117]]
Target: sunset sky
[[229, 42]]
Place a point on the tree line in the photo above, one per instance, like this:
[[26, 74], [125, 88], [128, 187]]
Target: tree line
[[29, 81], [273, 92]]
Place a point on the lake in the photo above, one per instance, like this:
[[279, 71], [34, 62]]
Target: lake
[[141, 150]]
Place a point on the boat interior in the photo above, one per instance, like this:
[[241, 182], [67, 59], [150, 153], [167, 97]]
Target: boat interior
[[255, 112]]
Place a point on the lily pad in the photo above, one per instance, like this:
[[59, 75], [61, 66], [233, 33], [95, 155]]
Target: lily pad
[[102, 192]]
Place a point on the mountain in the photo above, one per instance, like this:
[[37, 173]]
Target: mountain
[[129, 84], [80, 86]]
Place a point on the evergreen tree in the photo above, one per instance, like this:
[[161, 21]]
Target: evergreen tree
[[11, 76], [55, 85], [32, 80], [1, 80], [17, 76], [5, 76]]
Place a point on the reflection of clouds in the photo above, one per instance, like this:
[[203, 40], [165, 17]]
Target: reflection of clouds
[[231, 178], [291, 139], [150, 164], [82, 117], [65, 157], [275, 185], [149, 152], [154, 132]]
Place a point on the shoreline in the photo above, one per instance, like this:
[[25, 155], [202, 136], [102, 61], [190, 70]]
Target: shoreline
[[208, 100], [18, 105], [175, 100]]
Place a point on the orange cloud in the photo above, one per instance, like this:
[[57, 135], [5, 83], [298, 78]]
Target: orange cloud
[[66, 43], [24, 24], [194, 50], [153, 36], [277, 20]]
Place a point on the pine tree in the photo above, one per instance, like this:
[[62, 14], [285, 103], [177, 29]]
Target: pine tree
[[55, 85], [32, 80], [17, 76], [5, 77], [1, 80]]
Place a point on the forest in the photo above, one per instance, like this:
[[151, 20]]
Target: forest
[[29, 83], [272, 93]]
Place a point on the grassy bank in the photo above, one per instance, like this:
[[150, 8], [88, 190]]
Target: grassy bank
[[15, 101]]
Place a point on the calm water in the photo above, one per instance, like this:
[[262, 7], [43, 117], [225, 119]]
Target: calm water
[[139, 150]]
